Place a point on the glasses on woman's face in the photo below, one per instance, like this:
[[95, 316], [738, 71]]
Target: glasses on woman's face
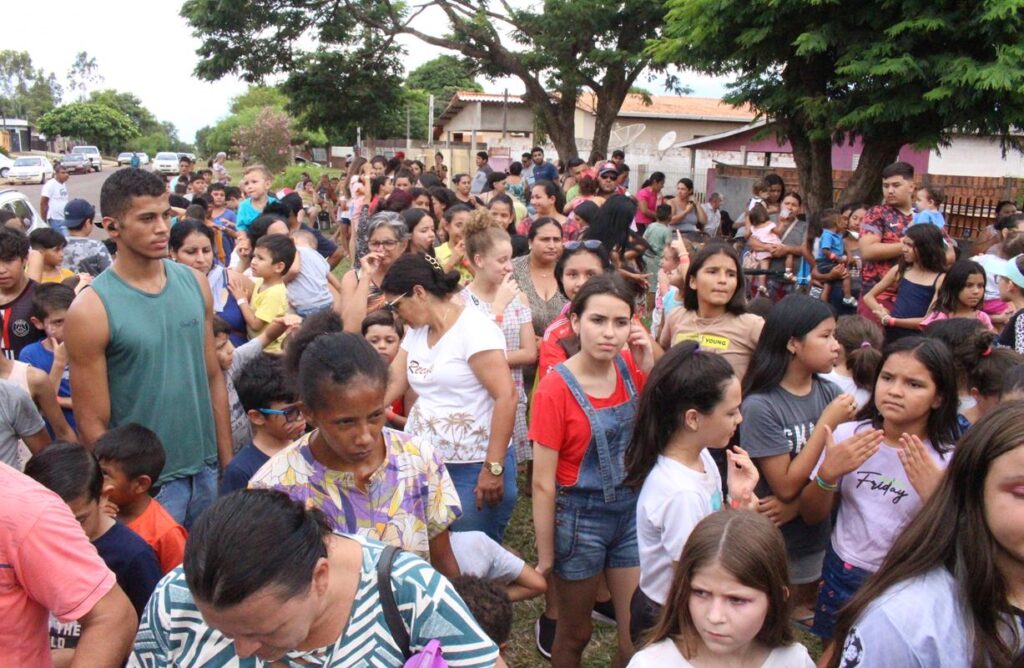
[[589, 244], [291, 414], [379, 244], [392, 305]]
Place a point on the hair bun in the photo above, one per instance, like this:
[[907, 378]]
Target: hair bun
[[451, 280]]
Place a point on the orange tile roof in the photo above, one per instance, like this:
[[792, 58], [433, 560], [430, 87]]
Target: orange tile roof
[[673, 106]]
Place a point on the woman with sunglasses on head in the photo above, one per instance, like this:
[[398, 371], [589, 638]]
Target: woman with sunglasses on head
[[360, 287], [535, 275], [366, 478], [453, 358]]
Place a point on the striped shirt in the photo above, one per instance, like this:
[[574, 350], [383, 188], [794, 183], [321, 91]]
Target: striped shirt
[[172, 632]]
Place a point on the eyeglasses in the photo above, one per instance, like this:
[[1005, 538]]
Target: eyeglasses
[[589, 244], [392, 305], [387, 243], [291, 414], [608, 177]]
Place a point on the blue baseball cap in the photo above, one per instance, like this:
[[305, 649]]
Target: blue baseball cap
[[77, 211], [1011, 270]]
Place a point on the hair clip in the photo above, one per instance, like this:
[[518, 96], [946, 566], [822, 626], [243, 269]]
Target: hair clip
[[435, 265], [986, 352], [865, 344]]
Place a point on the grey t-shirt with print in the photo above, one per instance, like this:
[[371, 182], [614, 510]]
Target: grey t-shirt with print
[[19, 417], [776, 422]]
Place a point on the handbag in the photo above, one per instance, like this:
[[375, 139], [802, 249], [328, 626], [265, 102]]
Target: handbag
[[431, 656]]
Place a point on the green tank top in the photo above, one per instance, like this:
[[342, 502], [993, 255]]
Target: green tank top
[[156, 366]]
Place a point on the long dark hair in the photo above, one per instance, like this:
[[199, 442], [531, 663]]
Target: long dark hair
[[611, 224], [948, 299], [685, 377], [551, 189], [951, 532], [599, 252], [929, 248], [752, 550], [936, 358], [792, 318], [737, 303]]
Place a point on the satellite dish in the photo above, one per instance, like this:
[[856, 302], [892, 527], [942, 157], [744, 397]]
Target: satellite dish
[[666, 141], [626, 134]]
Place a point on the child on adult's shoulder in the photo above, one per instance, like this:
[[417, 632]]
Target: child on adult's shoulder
[[50, 244], [385, 334], [927, 202], [489, 604], [269, 401], [232, 359], [729, 601], [50, 305], [74, 474], [272, 257], [132, 458]]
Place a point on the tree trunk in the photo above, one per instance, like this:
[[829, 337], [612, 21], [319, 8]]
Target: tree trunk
[[866, 183], [813, 159]]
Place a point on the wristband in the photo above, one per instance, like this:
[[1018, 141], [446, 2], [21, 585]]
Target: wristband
[[828, 487], [498, 317], [242, 302], [735, 504]]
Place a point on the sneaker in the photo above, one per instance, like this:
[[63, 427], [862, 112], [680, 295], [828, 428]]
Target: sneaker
[[850, 301], [789, 277], [604, 612], [544, 634]]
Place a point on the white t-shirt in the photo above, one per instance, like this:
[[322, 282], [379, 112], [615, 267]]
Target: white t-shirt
[[877, 502], [309, 287], [846, 384], [453, 409], [918, 623], [665, 654], [480, 556], [673, 499], [57, 193]]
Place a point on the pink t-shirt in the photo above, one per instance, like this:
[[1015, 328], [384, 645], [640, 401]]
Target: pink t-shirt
[[46, 565], [765, 233], [650, 198]]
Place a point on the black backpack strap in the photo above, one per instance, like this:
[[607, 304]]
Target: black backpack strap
[[392, 615]]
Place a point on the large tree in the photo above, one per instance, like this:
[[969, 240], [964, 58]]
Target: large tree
[[97, 124], [557, 50], [443, 76], [129, 105], [890, 72], [83, 75], [25, 92]]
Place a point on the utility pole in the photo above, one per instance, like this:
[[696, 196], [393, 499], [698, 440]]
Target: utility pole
[[504, 116], [408, 126], [430, 122]]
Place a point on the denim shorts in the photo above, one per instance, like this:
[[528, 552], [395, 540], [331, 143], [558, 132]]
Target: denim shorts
[[186, 498], [840, 581], [592, 535]]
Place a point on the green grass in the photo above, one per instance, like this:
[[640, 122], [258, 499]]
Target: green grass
[[521, 652]]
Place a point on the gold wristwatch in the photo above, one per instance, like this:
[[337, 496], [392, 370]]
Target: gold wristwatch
[[495, 468]]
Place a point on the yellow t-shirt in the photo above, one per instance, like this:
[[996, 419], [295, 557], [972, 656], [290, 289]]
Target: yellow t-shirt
[[267, 304], [443, 253], [64, 273]]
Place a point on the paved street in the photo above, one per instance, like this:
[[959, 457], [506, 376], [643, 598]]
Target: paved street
[[86, 186]]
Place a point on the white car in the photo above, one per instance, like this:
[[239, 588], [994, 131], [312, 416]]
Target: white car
[[5, 165], [16, 202], [165, 162], [30, 169], [126, 158], [92, 154]]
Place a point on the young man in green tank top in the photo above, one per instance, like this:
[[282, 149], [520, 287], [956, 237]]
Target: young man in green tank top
[[141, 348]]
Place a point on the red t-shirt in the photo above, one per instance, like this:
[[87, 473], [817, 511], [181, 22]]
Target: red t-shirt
[[558, 422], [551, 353]]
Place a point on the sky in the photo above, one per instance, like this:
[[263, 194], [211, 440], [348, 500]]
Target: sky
[[158, 66]]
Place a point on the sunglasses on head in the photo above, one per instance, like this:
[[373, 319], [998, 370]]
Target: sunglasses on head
[[392, 305], [589, 244]]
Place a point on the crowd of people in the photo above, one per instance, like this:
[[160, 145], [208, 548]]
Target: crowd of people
[[216, 452]]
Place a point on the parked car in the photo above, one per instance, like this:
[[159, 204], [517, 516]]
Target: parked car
[[76, 163], [191, 156], [5, 165], [92, 154], [30, 169], [16, 202], [126, 158], [165, 162]]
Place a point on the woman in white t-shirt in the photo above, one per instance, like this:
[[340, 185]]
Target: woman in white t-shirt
[[860, 353], [948, 593], [453, 358], [729, 602], [883, 468], [691, 403]]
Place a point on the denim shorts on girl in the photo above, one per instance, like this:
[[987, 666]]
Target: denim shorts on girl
[[840, 581], [592, 534]]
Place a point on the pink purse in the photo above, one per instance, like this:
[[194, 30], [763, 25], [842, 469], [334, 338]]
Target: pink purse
[[431, 656]]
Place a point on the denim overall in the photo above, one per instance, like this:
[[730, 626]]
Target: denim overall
[[595, 519]]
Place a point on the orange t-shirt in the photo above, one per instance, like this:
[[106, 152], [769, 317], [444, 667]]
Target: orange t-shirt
[[164, 535]]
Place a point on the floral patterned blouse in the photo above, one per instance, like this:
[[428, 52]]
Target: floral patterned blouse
[[408, 500]]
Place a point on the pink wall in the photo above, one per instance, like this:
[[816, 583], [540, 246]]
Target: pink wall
[[842, 154]]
